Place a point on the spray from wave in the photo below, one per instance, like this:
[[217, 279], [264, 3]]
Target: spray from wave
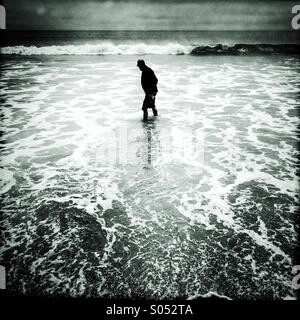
[[100, 49], [142, 48]]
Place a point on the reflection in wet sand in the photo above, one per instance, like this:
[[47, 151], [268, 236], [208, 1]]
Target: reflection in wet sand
[[152, 140]]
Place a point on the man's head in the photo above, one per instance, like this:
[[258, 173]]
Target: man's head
[[141, 64]]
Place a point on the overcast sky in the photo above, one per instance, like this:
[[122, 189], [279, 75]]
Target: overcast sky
[[149, 15]]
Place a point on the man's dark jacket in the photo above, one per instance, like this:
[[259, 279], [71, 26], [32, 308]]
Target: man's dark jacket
[[149, 81]]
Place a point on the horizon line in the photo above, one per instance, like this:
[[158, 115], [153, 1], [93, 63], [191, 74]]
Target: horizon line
[[151, 30]]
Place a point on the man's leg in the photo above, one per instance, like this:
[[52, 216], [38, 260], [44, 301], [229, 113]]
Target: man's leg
[[144, 108], [153, 103], [145, 115]]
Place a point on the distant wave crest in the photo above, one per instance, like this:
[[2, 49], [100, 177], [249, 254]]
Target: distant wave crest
[[100, 49], [142, 48]]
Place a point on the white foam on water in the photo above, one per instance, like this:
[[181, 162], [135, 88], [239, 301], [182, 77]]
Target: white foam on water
[[222, 151], [7, 180], [105, 48], [210, 294]]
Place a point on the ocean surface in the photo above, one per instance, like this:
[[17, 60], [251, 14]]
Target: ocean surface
[[200, 201]]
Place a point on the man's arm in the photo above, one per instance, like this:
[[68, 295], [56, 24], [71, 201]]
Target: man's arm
[[155, 80]]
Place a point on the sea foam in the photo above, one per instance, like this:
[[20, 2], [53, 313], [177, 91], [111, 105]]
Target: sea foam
[[100, 49], [171, 48]]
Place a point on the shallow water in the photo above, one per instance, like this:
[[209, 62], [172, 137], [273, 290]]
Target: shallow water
[[202, 199]]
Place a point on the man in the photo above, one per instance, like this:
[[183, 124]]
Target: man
[[149, 84]]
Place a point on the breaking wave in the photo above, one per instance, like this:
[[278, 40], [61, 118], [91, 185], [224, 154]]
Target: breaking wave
[[100, 49], [142, 48]]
